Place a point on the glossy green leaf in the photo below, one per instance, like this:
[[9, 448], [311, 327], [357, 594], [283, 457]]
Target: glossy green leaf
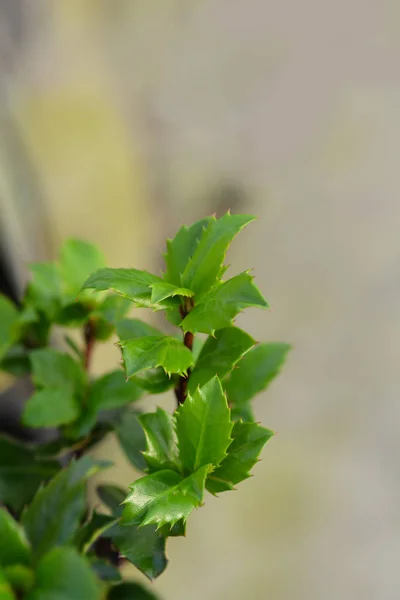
[[105, 571], [112, 496], [8, 321], [161, 443], [6, 592], [130, 283], [144, 547], [14, 547], [64, 575], [164, 498], [133, 328], [219, 355], [55, 369], [203, 427], [248, 441], [44, 290], [90, 531], [78, 259], [204, 268], [162, 290], [223, 303], [130, 591], [21, 473], [50, 407], [131, 436], [155, 351], [254, 373], [181, 249], [55, 512]]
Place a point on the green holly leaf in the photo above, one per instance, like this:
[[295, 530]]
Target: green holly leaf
[[144, 547], [219, 355], [163, 290], [54, 369], [64, 575], [219, 307], [253, 374], [90, 531], [77, 260], [130, 283], [248, 441], [161, 443], [113, 308], [50, 408], [6, 592], [164, 498], [131, 436], [21, 473], [55, 512], [181, 249], [130, 591], [134, 328], [205, 266], [203, 427], [8, 322], [155, 351], [105, 571], [112, 496], [14, 547], [44, 289]]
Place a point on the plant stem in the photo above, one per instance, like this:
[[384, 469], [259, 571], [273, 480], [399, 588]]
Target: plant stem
[[188, 338]]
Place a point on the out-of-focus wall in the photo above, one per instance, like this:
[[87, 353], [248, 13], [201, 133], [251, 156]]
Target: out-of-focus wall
[[121, 120]]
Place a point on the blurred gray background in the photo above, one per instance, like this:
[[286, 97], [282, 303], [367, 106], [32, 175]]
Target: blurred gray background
[[122, 120]]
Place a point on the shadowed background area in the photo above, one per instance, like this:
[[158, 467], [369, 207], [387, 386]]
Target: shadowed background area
[[122, 120]]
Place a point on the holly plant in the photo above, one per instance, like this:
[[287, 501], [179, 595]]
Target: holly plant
[[53, 544]]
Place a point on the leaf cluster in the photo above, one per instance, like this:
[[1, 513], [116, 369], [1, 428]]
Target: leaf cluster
[[210, 443]]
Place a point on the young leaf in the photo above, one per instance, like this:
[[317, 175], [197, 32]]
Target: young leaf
[[203, 427], [154, 381], [204, 268], [254, 373], [54, 514], [164, 498], [219, 355], [112, 496], [14, 547], [44, 290], [64, 575], [132, 439], [130, 283], [21, 473], [56, 369], [50, 407], [248, 441], [181, 249], [144, 547], [77, 260], [156, 351], [162, 290], [134, 328], [8, 321], [130, 591], [161, 444], [220, 306]]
